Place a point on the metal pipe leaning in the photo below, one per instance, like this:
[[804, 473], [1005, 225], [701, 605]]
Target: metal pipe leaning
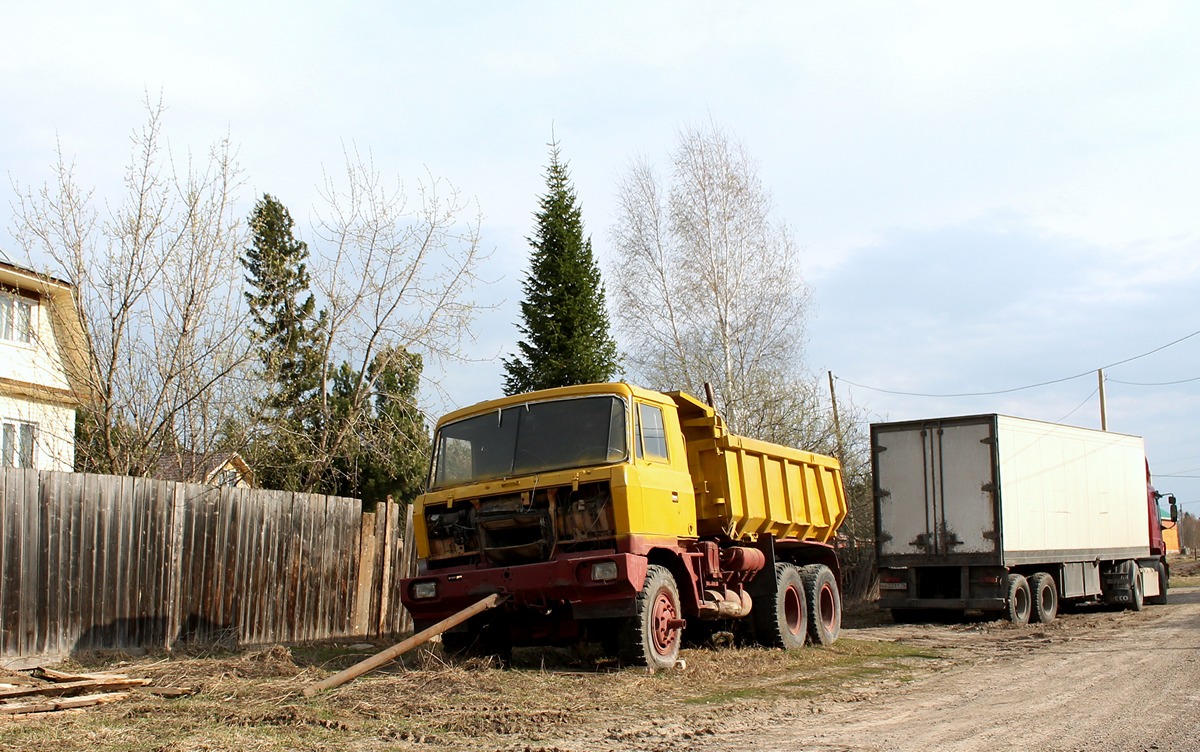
[[386, 656]]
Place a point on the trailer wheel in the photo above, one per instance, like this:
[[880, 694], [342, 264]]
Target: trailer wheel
[[1045, 598], [781, 618], [1017, 599], [1161, 598], [1136, 599], [652, 636], [824, 602]]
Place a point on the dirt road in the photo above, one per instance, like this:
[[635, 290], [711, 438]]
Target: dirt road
[[1100, 681], [1094, 681]]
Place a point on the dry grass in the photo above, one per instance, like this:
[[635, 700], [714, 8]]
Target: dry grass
[[253, 699], [1185, 571]]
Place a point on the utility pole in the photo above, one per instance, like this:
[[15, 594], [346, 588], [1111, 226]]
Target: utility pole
[[837, 423], [1103, 406], [837, 428]]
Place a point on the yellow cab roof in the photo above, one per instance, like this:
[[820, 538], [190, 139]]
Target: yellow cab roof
[[617, 388]]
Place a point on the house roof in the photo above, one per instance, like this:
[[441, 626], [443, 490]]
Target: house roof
[[198, 468]]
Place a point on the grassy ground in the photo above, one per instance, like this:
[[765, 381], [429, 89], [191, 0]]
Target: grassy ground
[[254, 700], [1185, 571]]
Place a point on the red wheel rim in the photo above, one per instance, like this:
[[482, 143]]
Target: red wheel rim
[[660, 623], [826, 606], [792, 610]]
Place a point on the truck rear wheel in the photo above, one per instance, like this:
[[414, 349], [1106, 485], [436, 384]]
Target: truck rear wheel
[[1045, 598], [824, 603], [651, 637], [1016, 599], [781, 617]]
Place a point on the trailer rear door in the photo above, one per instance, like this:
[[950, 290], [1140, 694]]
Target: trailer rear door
[[935, 488]]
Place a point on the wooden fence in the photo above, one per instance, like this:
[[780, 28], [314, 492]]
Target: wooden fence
[[105, 562]]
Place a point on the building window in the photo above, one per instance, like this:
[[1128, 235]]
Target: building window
[[230, 477], [16, 318], [16, 444]]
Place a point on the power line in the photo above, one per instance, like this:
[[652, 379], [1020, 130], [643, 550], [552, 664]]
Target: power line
[[1033, 386], [1081, 404], [1154, 383]]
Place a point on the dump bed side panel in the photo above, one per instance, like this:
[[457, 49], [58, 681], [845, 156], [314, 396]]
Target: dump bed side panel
[[746, 488]]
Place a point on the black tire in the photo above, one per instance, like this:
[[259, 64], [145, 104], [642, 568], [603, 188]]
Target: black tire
[[652, 636], [1161, 598], [1136, 600], [824, 601], [781, 617], [483, 638], [1044, 595], [1017, 599]]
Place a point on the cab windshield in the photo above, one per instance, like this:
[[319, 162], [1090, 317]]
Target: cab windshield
[[530, 438]]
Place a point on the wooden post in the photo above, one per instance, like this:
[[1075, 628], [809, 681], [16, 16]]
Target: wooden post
[[366, 575], [837, 423], [387, 656], [841, 449], [1103, 406]]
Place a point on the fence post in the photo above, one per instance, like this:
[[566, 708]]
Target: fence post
[[366, 575]]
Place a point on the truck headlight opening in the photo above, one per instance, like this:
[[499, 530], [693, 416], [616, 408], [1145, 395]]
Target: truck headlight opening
[[603, 571], [424, 590]]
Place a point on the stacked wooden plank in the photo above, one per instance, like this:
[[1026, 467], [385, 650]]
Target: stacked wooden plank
[[44, 690]]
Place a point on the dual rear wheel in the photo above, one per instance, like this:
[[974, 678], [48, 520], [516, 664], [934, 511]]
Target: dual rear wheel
[[1030, 600], [806, 606]]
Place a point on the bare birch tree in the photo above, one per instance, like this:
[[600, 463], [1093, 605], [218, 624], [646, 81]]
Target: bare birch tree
[[706, 282], [158, 296], [394, 274]]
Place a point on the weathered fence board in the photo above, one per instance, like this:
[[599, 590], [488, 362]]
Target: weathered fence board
[[104, 562]]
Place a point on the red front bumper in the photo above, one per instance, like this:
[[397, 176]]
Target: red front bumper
[[567, 579]]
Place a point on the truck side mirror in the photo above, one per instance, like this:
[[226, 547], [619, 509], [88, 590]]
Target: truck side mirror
[[1174, 507]]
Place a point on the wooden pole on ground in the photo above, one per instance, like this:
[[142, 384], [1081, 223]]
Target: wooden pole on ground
[[389, 655]]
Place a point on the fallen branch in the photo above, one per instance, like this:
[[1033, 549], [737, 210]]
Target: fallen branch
[[400, 648]]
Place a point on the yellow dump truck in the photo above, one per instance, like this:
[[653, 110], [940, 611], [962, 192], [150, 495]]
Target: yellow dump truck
[[631, 518]]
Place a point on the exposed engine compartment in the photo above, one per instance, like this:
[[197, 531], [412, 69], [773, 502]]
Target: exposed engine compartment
[[523, 528]]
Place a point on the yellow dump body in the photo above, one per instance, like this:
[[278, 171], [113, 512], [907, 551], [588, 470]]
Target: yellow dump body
[[747, 488]]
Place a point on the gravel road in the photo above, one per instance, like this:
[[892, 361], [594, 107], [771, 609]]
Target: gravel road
[[1098, 681]]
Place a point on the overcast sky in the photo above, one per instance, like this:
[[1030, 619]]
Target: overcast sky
[[986, 198]]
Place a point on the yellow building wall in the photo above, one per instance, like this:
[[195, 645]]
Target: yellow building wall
[[1171, 538]]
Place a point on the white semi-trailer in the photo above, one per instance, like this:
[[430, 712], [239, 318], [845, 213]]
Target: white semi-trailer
[[994, 513]]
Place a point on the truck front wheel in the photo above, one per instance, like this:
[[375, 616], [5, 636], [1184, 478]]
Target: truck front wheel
[[824, 604], [651, 637], [1016, 599], [781, 617], [1136, 599]]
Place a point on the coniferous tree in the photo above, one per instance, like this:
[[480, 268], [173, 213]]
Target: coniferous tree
[[389, 452], [287, 335], [566, 330]]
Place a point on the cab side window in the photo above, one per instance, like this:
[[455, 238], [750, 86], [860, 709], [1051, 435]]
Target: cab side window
[[652, 436]]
